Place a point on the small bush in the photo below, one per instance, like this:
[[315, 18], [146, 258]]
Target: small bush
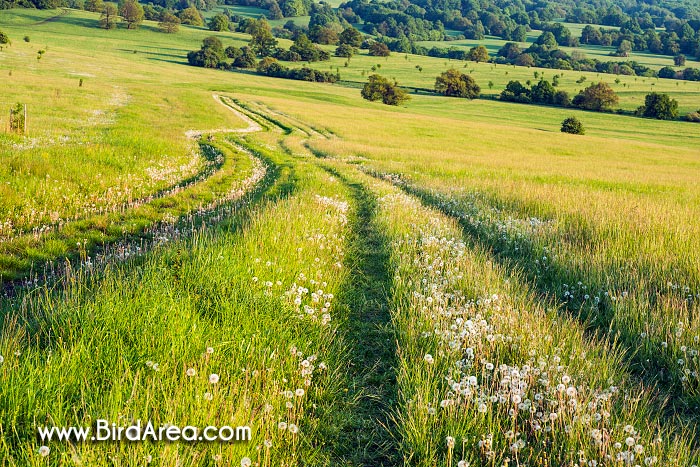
[[573, 126], [693, 117], [26, 38]]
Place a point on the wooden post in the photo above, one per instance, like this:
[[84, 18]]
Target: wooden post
[[25, 119], [9, 124]]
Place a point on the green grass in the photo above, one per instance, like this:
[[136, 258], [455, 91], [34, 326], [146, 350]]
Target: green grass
[[449, 256]]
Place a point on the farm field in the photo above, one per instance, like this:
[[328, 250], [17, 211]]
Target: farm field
[[444, 283]]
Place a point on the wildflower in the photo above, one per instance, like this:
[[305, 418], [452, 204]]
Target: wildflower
[[482, 408], [282, 426], [450, 442], [299, 392], [432, 411], [210, 350], [429, 359], [629, 441], [268, 443], [246, 462], [462, 463], [208, 396], [213, 378], [191, 372], [293, 429], [2, 359], [44, 451], [148, 459]]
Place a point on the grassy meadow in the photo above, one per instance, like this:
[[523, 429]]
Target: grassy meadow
[[447, 283]]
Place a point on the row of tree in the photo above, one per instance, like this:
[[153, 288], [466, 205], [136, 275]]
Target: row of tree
[[597, 96]]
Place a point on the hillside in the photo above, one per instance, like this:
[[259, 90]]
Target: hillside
[[446, 282]]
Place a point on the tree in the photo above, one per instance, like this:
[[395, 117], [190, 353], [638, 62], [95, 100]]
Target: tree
[[323, 35], [573, 126], [667, 72], [261, 42], [152, 14], [109, 17], [525, 60], [351, 37], [218, 22], [345, 50], [379, 88], [454, 83], [510, 50], [211, 55], [191, 16], [132, 12], [275, 11], [659, 106], [169, 23], [679, 60], [246, 59], [547, 40], [542, 92], [379, 49], [4, 38], [307, 51], [596, 97], [515, 92], [95, 6], [478, 54], [624, 49]]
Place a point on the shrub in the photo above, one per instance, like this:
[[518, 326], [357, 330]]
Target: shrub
[[4, 39], [573, 126], [379, 49], [596, 97], [379, 88], [26, 39], [454, 83], [169, 23], [218, 22], [659, 106], [345, 50], [351, 36], [693, 117], [246, 59]]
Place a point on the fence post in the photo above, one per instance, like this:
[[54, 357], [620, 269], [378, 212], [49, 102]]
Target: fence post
[[25, 119]]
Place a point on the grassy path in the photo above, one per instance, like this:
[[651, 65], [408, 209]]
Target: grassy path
[[230, 171], [367, 440]]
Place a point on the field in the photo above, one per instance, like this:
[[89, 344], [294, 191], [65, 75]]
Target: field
[[444, 283]]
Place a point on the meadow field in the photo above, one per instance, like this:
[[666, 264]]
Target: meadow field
[[444, 283]]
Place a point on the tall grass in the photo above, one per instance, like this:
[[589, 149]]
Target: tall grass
[[253, 305], [490, 375]]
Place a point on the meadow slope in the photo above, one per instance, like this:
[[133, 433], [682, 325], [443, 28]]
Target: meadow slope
[[446, 283]]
